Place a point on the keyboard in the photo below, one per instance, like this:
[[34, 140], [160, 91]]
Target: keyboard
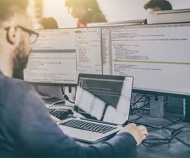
[[88, 126], [60, 113]]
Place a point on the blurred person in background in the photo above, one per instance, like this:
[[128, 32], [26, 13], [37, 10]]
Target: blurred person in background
[[48, 23], [157, 5], [85, 11]]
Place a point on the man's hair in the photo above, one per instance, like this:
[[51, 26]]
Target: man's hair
[[162, 4], [9, 7]]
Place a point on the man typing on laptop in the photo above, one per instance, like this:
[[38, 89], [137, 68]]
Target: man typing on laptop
[[102, 107], [26, 128]]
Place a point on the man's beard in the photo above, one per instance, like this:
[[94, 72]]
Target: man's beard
[[20, 61]]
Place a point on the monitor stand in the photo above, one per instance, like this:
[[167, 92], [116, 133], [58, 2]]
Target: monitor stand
[[156, 107], [156, 117]]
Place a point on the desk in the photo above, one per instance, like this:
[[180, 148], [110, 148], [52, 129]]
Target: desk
[[175, 149]]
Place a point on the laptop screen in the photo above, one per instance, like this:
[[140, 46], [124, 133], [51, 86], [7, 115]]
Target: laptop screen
[[103, 97]]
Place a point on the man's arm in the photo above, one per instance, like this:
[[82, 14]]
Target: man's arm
[[38, 135]]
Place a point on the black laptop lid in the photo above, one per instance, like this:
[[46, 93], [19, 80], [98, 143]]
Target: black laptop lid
[[103, 97]]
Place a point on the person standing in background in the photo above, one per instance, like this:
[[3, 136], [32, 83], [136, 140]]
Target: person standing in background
[[157, 5], [85, 11]]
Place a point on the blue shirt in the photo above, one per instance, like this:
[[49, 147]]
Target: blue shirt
[[26, 129]]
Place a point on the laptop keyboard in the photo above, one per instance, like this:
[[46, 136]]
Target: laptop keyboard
[[88, 126], [60, 113]]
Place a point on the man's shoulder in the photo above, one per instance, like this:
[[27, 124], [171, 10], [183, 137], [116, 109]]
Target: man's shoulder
[[9, 85], [14, 91]]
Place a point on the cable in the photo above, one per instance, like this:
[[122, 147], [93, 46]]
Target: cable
[[139, 108], [134, 106], [51, 101], [65, 96], [172, 135], [180, 140], [136, 101], [57, 102], [152, 142]]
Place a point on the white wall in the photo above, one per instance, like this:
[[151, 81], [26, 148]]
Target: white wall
[[57, 9], [114, 10], [121, 10]]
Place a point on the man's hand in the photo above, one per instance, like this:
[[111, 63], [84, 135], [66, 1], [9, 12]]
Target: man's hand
[[138, 132]]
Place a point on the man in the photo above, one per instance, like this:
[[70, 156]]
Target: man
[[26, 129], [157, 5]]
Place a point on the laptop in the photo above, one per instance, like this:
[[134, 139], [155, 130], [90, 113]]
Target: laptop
[[101, 107]]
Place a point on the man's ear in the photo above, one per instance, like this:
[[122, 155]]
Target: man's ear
[[11, 35]]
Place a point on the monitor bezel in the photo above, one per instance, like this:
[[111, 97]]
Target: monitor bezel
[[160, 93], [52, 84]]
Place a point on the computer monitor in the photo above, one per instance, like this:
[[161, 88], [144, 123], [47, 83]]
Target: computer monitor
[[156, 55], [59, 55]]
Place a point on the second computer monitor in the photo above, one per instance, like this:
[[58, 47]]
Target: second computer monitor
[[60, 55], [157, 56]]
